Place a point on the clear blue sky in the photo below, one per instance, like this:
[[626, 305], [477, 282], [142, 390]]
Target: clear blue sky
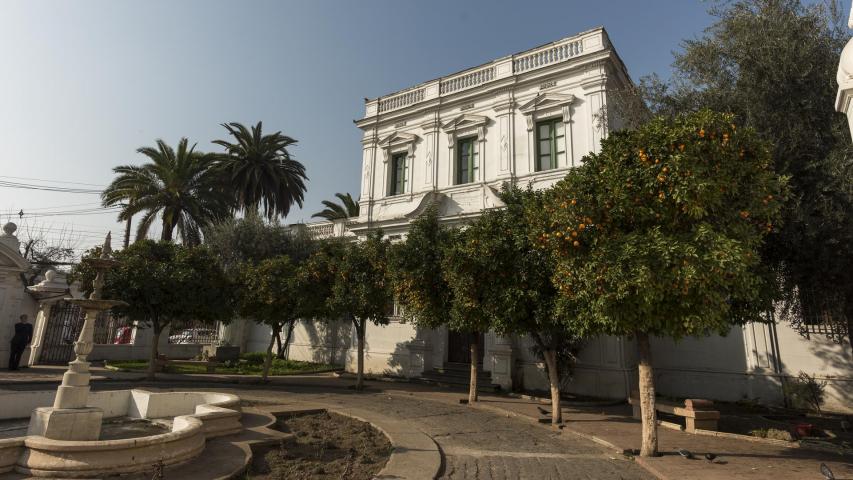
[[83, 84]]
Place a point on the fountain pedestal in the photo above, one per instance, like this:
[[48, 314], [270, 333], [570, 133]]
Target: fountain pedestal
[[70, 418]]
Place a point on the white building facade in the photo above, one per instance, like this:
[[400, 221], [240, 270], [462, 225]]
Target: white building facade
[[527, 119]]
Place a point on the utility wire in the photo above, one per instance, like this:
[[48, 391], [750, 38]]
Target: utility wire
[[48, 188], [53, 181]]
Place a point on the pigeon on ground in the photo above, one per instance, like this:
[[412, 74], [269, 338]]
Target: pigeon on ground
[[827, 473], [685, 453], [710, 457], [543, 411]]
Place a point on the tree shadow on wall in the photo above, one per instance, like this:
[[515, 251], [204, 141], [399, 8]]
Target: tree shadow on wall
[[330, 340]]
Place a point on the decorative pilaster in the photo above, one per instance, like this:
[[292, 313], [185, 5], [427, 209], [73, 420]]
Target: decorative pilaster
[[431, 137], [597, 116], [419, 356], [501, 359]]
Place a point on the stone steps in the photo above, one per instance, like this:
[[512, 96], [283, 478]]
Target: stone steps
[[458, 374]]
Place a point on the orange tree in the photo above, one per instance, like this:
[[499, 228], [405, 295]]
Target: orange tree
[[520, 297], [351, 282], [659, 234], [276, 293], [466, 271], [165, 283], [437, 280], [417, 275]]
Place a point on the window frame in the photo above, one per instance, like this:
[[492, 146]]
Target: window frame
[[472, 160], [556, 144], [399, 177]]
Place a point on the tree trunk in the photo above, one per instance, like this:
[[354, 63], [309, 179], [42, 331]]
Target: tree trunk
[[649, 447], [472, 387], [283, 349], [359, 382], [279, 352], [127, 232], [152, 358], [554, 379], [268, 360], [166, 234]]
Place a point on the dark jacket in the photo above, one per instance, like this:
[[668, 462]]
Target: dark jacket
[[23, 334]]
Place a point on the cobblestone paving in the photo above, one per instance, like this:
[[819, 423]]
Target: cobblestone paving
[[476, 444], [482, 445]]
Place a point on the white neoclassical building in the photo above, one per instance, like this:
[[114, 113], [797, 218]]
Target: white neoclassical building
[[528, 118]]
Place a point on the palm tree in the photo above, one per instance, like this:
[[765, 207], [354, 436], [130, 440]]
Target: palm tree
[[260, 170], [180, 186], [347, 209]]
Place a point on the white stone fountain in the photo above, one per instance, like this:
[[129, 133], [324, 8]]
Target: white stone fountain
[[70, 418], [64, 440]]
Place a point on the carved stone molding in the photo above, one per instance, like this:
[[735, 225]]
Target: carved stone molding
[[547, 105]]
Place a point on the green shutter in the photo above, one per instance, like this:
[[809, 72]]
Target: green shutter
[[399, 171], [466, 160], [550, 144]]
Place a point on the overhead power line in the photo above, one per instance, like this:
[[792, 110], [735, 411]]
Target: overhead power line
[[54, 181], [48, 188]]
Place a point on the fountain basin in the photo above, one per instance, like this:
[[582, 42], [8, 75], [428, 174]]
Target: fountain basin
[[195, 417]]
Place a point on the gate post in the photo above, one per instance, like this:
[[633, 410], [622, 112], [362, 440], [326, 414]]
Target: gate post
[[38, 333], [48, 292]]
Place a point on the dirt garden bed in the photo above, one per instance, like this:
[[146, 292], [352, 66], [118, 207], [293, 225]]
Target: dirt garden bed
[[326, 446]]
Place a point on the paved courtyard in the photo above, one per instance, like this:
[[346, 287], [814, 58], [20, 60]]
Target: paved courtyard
[[475, 444], [499, 438]]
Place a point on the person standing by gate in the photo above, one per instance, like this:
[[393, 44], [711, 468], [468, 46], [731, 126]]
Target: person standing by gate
[[23, 336]]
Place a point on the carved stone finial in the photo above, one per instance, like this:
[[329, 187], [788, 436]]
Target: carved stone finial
[[107, 249], [9, 229]]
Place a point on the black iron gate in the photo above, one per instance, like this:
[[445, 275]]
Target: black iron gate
[[62, 329]]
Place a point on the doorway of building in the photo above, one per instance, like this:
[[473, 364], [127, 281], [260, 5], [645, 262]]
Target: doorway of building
[[458, 347]]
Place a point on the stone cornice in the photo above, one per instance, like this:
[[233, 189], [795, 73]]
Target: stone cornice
[[544, 57]]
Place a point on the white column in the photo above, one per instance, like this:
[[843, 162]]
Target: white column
[[38, 332]]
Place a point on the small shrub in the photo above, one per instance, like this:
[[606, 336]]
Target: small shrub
[[254, 358], [773, 434], [805, 392]]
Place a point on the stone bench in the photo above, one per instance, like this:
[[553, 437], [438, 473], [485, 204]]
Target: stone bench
[[697, 413]]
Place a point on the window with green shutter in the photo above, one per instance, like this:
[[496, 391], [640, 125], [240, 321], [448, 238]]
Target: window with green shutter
[[550, 144], [467, 161], [399, 173]]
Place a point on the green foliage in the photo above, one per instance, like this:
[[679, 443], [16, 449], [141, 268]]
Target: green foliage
[[351, 282], [250, 240], [773, 434], [348, 208], [466, 271], [660, 232], [249, 364], [260, 171], [271, 291], [163, 283], [805, 392], [772, 63], [178, 185], [417, 274], [360, 287], [520, 295]]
